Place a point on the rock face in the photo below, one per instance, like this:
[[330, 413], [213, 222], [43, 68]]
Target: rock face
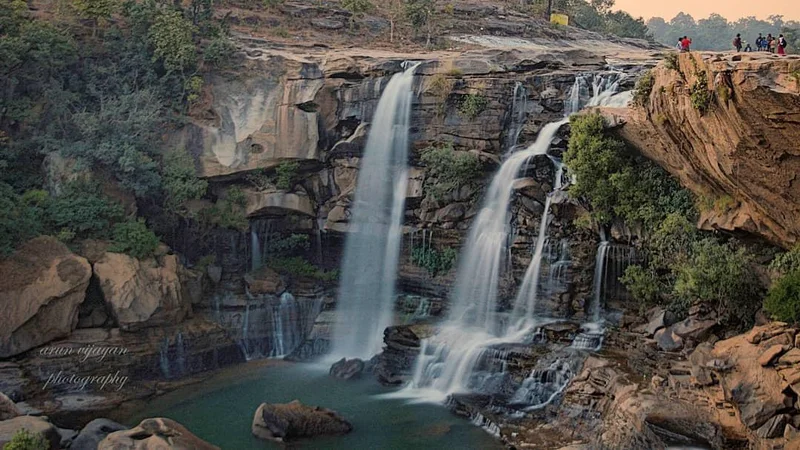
[[743, 154], [155, 434], [282, 422], [395, 363], [147, 293], [41, 288]]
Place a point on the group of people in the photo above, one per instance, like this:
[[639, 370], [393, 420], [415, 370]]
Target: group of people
[[764, 44], [684, 44]]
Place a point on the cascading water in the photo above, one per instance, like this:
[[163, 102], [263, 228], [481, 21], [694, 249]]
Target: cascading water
[[447, 361], [372, 250], [519, 112]]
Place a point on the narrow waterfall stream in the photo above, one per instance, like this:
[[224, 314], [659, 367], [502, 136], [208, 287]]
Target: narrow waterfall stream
[[372, 249], [447, 361]]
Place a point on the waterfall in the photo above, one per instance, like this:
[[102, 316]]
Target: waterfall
[[525, 304], [372, 249], [255, 250], [599, 274], [447, 361], [519, 113]]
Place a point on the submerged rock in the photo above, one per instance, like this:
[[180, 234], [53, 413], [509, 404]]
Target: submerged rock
[[347, 369], [282, 422], [155, 434]]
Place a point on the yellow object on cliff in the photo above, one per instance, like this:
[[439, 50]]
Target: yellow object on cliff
[[559, 19]]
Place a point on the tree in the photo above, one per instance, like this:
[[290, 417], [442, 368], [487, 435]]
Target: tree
[[394, 10], [171, 37], [420, 13], [95, 10], [357, 8]]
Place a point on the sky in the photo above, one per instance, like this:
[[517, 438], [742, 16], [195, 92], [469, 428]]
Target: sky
[[700, 9]]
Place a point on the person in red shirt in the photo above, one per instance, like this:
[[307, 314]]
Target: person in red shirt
[[686, 44]]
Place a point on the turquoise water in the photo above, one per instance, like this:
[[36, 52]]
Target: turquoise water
[[220, 411]]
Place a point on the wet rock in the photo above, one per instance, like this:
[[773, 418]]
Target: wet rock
[[771, 354], [94, 432], [264, 281], [667, 340], [347, 369], [155, 434], [284, 422], [34, 425], [394, 365], [41, 289], [143, 293]]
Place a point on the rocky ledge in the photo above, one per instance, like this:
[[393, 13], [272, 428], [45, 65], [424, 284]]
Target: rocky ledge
[[727, 126]]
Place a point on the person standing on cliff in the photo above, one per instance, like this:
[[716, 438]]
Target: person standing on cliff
[[760, 42], [737, 43], [781, 46], [768, 42], [686, 44]]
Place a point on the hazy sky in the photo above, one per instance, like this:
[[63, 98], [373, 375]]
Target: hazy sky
[[699, 9]]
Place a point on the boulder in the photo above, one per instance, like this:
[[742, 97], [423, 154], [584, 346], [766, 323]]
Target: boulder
[[693, 329], [41, 289], [94, 432], [347, 369], [283, 422], [33, 424], [774, 427], [762, 333], [143, 293], [264, 281], [155, 434], [667, 340], [771, 354], [8, 410]]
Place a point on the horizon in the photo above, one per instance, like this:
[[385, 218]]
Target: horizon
[[732, 10]]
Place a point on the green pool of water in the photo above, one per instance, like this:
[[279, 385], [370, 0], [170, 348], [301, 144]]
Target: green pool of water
[[220, 411]]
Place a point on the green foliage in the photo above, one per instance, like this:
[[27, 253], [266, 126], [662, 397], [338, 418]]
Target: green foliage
[[278, 245], [299, 267], [180, 179], [18, 221], [134, 239], [720, 276], [643, 284], [787, 262], [219, 51], [448, 170], [420, 14], [27, 440], [440, 87], [225, 214], [716, 33], [614, 182], [644, 86], [783, 300], [83, 210], [357, 8], [699, 93], [472, 105], [671, 62], [285, 174], [434, 261], [193, 88], [236, 196], [171, 37], [95, 10]]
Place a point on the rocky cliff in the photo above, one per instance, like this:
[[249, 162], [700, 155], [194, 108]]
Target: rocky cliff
[[729, 127]]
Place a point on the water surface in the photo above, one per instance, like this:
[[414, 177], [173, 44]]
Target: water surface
[[220, 411]]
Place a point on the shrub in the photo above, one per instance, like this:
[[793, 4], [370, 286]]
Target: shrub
[[671, 62], [84, 210], [787, 262], [219, 51], [440, 87], [722, 277], [783, 300], [285, 174], [225, 214], [18, 221], [357, 8], [180, 179], [448, 169], [699, 93], [642, 283], [236, 196], [644, 87], [134, 239], [26, 440], [277, 245], [300, 267], [472, 105], [434, 261]]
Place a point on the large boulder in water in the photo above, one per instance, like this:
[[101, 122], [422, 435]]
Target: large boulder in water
[[95, 432], [41, 288], [395, 364], [347, 369], [282, 422], [155, 434]]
